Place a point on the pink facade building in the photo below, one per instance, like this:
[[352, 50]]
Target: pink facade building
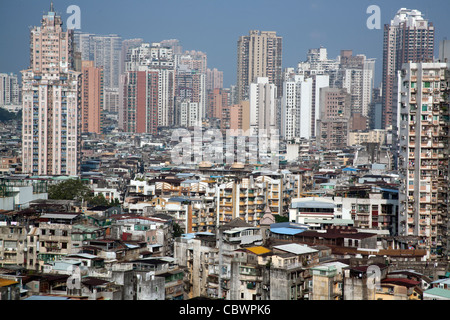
[[236, 117], [214, 79], [217, 102], [140, 112], [91, 98], [50, 97], [147, 89]]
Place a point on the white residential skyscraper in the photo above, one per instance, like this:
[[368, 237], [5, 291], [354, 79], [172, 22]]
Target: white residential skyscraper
[[9, 89], [105, 51], [356, 75], [262, 106], [407, 38], [189, 114], [317, 62], [296, 107]]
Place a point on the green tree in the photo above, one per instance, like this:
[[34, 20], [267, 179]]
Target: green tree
[[72, 189], [279, 218], [98, 200], [5, 115], [115, 203], [177, 230]]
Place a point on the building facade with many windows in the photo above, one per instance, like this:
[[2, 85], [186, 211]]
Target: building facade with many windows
[[424, 153], [408, 38], [259, 55], [51, 102]]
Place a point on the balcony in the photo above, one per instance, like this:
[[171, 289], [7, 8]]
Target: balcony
[[274, 204]]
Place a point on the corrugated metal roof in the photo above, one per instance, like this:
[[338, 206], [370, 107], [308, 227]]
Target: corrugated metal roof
[[189, 181], [7, 282], [258, 250], [83, 255], [445, 281], [438, 292], [313, 204], [295, 248], [58, 216], [236, 230], [401, 281], [287, 231], [47, 298], [131, 246], [330, 221]]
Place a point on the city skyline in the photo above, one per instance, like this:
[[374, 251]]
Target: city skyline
[[186, 158], [302, 26]]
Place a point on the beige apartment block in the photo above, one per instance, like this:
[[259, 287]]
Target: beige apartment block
[[424, 154]]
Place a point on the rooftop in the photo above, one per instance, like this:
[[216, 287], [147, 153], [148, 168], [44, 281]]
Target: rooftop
[[258, 250], [312, 203], [295, 248], [286, 231], [45, 297], [68, 216], [443, 293], [401, 281], [7, 282]]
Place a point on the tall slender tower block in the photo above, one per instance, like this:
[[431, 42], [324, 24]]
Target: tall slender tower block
[[51, 102]]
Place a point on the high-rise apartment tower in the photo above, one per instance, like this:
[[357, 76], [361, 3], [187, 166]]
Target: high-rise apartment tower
[[51, 106], [408, 38], [258, 55]]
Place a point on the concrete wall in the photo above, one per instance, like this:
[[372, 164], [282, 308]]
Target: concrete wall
[[125, 278], [23, 197], [9, 293], [322, 288], [279, 284], [149, 287]]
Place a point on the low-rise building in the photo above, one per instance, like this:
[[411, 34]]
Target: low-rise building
[[399, 289], [304, 209], [371, 136], [327, 281], [289, 269]]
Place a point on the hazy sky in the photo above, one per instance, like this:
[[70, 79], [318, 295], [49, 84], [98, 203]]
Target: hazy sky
[[214, 26]]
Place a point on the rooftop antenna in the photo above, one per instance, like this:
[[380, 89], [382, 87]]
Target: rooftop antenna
[[51, 7]]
